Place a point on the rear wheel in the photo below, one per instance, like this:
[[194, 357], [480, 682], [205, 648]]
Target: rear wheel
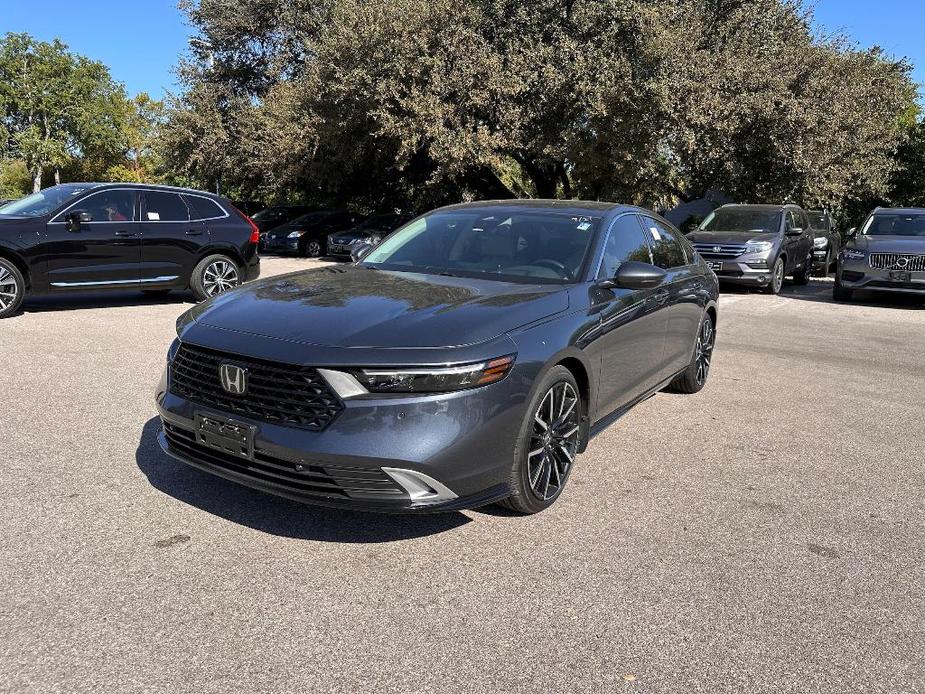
[[802, 275], [12, 288], [548, 443], [694, 377], [213, 275]]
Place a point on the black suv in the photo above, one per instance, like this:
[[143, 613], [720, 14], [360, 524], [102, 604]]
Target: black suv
[[80, 236], [756, 245]]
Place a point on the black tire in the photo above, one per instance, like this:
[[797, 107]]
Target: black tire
[[12, 288], [312, 248], [209, 278], [839, 293], [777, 277], [695, 375], [802, 275], [827, 265], [539, 453]]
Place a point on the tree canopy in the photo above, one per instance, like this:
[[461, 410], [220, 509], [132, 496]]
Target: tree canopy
[[418, 102]]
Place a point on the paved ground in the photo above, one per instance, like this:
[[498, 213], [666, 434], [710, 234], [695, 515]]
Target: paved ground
[[767, 535]]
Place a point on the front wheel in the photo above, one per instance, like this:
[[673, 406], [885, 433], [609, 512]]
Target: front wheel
[[12, 288], [777, 277], [802, 275], [213, 275], [694, 377], [312, 249], [548, 443]]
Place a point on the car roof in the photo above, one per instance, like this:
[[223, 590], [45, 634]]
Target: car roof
[[756, 206], [145, 186], [586, 207], [900, 210]]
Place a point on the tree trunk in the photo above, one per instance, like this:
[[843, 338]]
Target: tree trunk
[[57, 176], [37, 179]]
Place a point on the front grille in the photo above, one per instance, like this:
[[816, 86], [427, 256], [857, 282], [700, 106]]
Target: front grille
[[726, 250], [302, 478], [898, 261], [276, 393]]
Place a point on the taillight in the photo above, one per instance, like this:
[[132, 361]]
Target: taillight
[[255, 232]]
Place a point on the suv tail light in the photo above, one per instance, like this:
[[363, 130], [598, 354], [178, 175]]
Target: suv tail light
[[255, 232]]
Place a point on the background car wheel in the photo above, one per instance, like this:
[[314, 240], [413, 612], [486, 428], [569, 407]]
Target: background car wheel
[[695, 376], [777, 277], [312, 249], [839, 293], [548, 444], [213, 275], [12, 288], [802, 275]]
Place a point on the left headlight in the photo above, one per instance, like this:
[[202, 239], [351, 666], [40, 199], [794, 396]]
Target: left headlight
[[439, 379], [821, 242], [758, 247]]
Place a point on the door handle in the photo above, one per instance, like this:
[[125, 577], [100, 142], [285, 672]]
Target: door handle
[[193, 232], [126, 234]]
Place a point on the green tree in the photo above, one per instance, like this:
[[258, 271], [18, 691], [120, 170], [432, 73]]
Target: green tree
[[56, 106]]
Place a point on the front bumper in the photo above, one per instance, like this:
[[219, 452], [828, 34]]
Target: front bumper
[[339, 250], [857, 274], [463, 442], [737, 271]]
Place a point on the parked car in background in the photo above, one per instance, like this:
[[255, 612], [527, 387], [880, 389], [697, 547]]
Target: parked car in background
[[756, 245], [308, 235], [372, 230], [468, 359], [81, 236], [826, 242], [887, 255], [249, 207], [272, 217]]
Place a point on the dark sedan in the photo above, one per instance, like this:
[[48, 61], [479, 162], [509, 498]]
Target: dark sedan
[[272, 217], [307, 235], [888, 255], [371, 231], [468, 359]]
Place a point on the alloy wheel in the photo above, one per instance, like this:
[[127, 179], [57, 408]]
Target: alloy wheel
[[9, 289], [219, 277], [778, 279], [553, 440], [313, 249], [705, 342]]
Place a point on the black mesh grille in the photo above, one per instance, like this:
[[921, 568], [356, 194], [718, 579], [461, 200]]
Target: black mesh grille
[[276, 393], [301, 478]]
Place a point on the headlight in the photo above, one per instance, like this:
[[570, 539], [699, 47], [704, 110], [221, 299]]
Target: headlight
[[295, 234], [821, 242], [854, 254], [758, 247], [434, 379]]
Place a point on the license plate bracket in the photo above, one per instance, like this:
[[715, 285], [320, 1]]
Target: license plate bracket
[[225, 435], [900, 276]]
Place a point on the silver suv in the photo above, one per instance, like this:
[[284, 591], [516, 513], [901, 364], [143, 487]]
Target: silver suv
[[756, 245]]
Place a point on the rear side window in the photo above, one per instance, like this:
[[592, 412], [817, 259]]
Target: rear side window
[[624, 243], [164, 207], [203, 208], [667, 251]]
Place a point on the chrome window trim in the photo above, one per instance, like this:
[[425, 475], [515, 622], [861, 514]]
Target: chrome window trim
[[140, 221]]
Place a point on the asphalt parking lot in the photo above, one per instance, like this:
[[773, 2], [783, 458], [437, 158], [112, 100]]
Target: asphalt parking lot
[[767, 535]]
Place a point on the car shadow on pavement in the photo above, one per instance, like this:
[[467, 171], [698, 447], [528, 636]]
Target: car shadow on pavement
[[83, 300], [276, 515]]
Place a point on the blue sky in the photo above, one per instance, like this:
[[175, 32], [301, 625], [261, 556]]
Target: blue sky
[[141, 39]]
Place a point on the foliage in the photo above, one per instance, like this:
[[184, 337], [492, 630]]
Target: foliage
[[15, 181]]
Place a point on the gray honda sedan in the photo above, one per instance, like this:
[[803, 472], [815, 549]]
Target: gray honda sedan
[[887, 255], [468, 359]]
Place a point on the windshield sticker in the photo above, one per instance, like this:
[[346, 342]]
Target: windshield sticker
[[154, 216]]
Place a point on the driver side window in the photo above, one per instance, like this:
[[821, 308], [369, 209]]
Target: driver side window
[[108, 206], [625, 242]]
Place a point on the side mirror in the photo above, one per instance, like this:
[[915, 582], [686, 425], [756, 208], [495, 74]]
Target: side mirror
[[794, 231], [635, 275], [360, 250], [73, 220], [852, 232]]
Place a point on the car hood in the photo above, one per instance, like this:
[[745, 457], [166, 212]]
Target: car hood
[[354, 306], [721, 237], [889, 244]]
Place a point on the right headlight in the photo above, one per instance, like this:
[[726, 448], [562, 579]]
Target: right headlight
[[439, 379], [295, 234]]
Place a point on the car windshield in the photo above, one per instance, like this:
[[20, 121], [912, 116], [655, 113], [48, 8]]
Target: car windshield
[[44, 202], [531, 245], [269, 213], [744, 220], [817, 220], [895, 225]]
